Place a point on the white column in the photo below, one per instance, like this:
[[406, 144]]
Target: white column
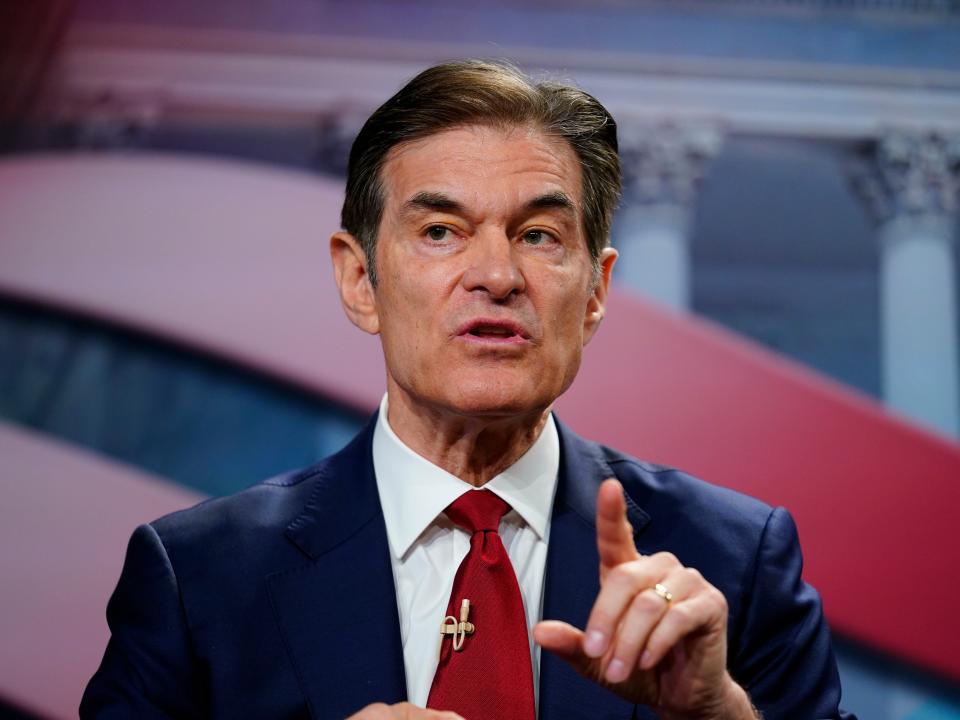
[[655, 253], [662, 164], [914, 189]]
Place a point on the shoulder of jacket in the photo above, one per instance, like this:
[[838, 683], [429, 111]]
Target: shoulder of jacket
[[653, 484]]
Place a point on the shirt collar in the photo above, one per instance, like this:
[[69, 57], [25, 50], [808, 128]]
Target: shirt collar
[[414, 491]]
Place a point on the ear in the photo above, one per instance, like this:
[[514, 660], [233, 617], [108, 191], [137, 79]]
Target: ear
[[597, 303], [356, 291]]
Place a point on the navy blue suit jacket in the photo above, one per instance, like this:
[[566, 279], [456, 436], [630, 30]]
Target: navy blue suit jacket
[[279, 602]]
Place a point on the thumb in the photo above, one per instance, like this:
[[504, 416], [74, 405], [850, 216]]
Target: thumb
[[563, 640], [614, 533]]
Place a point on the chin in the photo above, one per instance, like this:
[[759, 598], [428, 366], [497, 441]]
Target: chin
[[497, 397]]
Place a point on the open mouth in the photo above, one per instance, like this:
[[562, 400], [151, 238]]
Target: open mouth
[[493, 331]]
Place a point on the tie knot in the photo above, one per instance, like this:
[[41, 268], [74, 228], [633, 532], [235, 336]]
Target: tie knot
[[477, 510]]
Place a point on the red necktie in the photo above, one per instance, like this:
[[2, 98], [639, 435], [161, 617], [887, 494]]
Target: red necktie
[[490, 678]]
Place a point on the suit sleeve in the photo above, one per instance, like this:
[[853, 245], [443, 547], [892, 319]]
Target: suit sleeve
[[784, 655], [149, 669]]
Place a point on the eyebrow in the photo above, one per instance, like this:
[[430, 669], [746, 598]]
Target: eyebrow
[[558, 200], [438, 201], [431, 201]]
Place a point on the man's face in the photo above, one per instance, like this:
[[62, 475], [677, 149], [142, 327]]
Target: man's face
[[486, 295]]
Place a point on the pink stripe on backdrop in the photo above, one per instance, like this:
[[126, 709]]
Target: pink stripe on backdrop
[[65, 518], [226, 257]]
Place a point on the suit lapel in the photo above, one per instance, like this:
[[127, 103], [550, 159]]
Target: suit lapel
[[572, 579], [338, 613]]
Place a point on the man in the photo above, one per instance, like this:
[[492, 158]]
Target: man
[[475, 243]]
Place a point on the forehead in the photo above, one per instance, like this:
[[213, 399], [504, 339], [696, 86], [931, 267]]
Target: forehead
[[482, 165]]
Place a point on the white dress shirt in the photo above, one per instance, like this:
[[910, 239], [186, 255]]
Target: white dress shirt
[[426, 548]]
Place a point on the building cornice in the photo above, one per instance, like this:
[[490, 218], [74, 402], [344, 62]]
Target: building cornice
[[261, 74]]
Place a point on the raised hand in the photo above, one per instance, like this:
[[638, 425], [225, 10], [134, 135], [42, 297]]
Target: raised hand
[[657, 634]]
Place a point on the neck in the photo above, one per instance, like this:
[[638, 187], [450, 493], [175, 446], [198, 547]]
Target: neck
[[474, 449]]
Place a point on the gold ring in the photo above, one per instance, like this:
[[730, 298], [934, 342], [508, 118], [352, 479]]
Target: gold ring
[[662, 591]]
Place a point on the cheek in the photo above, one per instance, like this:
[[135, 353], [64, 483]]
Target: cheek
[[408, 327], [570, 313], [565, 338]]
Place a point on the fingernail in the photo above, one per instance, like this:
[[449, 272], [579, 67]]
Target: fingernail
[[595, 643], [646, 660], [616, 671]]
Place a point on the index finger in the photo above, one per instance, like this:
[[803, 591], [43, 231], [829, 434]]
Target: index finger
[[614, 532]]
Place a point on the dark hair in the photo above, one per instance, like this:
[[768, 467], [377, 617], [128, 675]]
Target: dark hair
[[472, 92]]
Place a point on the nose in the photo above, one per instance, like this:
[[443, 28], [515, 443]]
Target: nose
[[494, 267]]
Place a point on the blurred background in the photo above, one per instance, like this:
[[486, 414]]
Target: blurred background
[[785, 318]]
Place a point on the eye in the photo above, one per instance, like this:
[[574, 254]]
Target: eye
[[438, 233], [537, 237]]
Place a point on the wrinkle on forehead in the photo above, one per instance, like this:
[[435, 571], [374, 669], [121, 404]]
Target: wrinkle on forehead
[[544, 162]]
